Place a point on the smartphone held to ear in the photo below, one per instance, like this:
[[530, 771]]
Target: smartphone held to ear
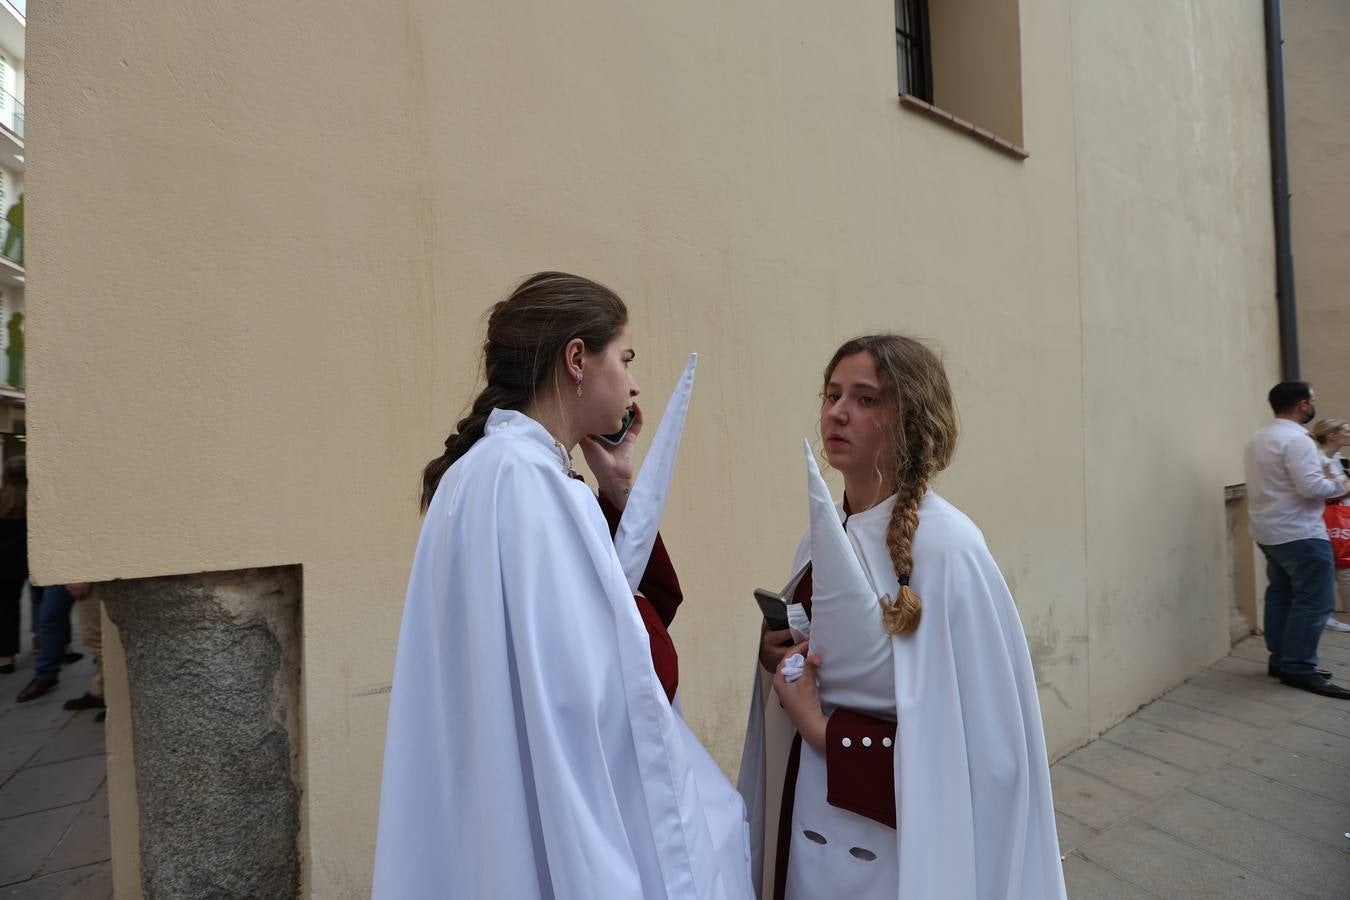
[[774, 607], [617, 437]]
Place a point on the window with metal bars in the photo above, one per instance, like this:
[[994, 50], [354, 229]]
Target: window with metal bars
[[913, 50]]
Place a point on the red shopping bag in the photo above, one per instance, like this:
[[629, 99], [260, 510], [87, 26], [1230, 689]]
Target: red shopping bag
[[1338, 528]]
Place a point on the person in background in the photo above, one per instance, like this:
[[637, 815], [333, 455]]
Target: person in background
[[91, 635], [1288, 484], [13, 556], [53, 640], [1332, 437], [13, 246]]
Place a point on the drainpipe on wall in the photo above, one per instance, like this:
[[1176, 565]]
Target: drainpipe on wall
[[1279, 177]]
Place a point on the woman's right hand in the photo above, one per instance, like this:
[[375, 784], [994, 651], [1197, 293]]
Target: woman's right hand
[[773, 646]]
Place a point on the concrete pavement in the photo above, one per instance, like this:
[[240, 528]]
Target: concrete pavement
[[1228, 786], [53, 795]]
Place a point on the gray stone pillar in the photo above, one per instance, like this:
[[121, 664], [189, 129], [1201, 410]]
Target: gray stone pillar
[[213, 667]]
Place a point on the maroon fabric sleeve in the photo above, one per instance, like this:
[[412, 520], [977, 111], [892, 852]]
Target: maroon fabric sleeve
[[860, 765], [661, 596], [802, 593], [659, 584]]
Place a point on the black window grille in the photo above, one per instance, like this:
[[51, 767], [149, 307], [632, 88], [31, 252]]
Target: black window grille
[[913, 51]]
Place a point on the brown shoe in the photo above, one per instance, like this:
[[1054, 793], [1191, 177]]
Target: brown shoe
[[36, 688]]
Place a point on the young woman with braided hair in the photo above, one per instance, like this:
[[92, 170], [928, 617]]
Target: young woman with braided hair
[[532, 747], [915, 760]]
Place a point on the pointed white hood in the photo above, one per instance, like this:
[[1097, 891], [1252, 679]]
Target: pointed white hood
[[647, 503], [838, 578]]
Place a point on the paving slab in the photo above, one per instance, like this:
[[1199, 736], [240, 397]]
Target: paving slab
[[47, 787], [1251, 649], [1207, 726], [1243, 666], [1275, 853], [42, 714], [1335, 719], [87, 840], [1071, 833], [1314, 742], [28, 840], [1087, 798], [17, 749], [1291, 808], [1172, 869], [1167, 745], [88, 883], [1254, 687], [1125, 768], [1253, 712], [1258, 713], [1307, 773], [1089, 881], [81, 736]]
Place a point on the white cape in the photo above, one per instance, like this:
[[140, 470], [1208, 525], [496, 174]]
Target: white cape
[[531, 750], [975, 817]]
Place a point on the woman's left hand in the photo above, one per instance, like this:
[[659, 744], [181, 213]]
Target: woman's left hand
[[801, 698], [614, 467]]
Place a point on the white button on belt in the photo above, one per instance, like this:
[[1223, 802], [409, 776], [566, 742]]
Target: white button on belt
[[885, 742], [846, 742], [867, 742]]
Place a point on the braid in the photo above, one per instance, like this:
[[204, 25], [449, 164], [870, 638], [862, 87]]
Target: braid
[[467, 432], [901, 616]]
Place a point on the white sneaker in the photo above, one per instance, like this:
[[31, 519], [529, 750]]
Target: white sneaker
[[1335, 625]]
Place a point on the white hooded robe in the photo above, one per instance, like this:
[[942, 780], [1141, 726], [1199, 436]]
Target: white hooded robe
[[975, 818], [531, 750]]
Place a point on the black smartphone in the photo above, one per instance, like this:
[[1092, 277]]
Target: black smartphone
[[617, 437], [774, 607], [1345, 464]]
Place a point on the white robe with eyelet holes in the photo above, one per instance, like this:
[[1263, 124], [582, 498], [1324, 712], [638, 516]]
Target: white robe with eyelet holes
[[531, 749], [975, 818]]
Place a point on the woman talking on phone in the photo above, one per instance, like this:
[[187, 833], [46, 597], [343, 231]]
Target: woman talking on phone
[[532, 749], [918, 765]]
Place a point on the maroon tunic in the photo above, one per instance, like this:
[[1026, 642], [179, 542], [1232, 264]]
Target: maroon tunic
[[657, 601]]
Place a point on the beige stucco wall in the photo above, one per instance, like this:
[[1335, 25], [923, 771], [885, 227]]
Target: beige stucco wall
[[1317, 72], [1177, 288], [262, 244]]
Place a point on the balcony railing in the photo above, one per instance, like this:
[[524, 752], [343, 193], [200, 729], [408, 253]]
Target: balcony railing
[[11, 241], [11, 112]]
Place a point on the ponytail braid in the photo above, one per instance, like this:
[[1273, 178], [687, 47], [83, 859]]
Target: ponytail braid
[[467, 432], [901, 615]]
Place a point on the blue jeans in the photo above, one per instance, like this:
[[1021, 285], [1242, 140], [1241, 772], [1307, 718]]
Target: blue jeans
[[1301, 594], [53, 626]]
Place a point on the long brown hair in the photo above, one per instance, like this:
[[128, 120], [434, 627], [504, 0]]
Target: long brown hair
[[526, 335], [14, 488], [922, 444]]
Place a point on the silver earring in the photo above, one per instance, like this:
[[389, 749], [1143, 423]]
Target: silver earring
[[578, 385]]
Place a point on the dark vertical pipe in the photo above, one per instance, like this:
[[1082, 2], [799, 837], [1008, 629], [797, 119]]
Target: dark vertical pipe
[[1279, 177]]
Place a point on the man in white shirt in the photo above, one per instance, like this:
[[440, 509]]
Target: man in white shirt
[[1288, 484]]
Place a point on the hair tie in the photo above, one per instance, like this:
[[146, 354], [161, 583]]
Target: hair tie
[[904, 581]]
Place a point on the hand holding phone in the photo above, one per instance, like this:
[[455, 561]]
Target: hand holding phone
[[774, 607], [617, 437]]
